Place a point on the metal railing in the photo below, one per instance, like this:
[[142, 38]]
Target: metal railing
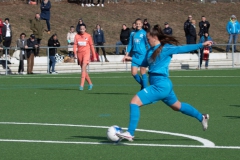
[[47, 53], [111, 46]]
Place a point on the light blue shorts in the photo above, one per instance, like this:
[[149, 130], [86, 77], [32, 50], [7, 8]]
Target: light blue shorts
[[161, 91], [135, 65]]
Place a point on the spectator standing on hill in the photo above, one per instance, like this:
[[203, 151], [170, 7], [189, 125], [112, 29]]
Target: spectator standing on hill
[[99, 3], [133, 29], [203, 27], [7, 35], [124, 37], [146, 25], [22, 43], [1, 26], [80, 22], [167, 30], [38, 29], [233, 29], [208, 49], [53, 42], [186, 27], [33, 45], [45, 13], [99, 40], [193, 34], [70, 39]]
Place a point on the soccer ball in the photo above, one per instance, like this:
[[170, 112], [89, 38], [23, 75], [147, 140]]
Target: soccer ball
[[111, 133]]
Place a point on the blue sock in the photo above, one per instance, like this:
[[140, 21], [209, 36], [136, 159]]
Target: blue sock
[[191, 111], [138, 78], [144, 81], [134, 118]]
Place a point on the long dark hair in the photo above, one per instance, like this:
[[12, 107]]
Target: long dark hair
[[163, 38]]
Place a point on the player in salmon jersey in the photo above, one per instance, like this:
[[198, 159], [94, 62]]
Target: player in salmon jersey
[[83, 43]]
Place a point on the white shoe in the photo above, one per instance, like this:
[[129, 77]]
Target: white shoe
[[89, 5], [82, 5], [98, 5], [125, 135], [102, 5], [205, 121], [20, 72], [93, 5], [54, 73]]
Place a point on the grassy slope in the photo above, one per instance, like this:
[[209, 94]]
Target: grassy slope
[[112, 16]]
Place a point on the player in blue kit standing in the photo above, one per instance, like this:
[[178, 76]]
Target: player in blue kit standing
[[137, 46], [158, 59]]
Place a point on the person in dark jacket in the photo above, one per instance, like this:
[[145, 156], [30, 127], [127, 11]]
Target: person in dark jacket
[[80, 22], [203, 27], [45, 13], [7, 35], [187, 25], [53, 42], [22, 43], [167, 30], [124, 37], [33, 45], [192, 32], [99, 40], [133, 29], [146, 25]]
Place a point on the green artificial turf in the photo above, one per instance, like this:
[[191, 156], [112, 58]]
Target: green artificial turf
[[52, 110]]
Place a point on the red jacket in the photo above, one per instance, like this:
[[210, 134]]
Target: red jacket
[[1, 25]]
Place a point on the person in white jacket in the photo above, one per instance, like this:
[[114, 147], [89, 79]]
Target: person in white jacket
[[70, 39]]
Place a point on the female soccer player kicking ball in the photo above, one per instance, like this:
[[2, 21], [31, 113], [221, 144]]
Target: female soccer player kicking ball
[[137, 46], [82, 44], [158, 59]]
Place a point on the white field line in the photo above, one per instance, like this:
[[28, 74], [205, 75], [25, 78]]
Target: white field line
[[115, 77], [205, 142], [128, 144]]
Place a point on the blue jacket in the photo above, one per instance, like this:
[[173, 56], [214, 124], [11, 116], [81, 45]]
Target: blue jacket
[[138, 46], [160, 65], [233, 27], [98, 36], [204, 39], [45, 10]]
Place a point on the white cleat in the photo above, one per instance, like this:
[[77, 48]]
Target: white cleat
[[98, 5], [125, 135], [102, 5], [82, 5], [205, 121]]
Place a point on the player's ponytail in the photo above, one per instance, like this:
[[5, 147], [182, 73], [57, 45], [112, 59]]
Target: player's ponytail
[[163, 38]]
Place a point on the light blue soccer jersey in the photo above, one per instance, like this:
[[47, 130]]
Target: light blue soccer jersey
[[138, 46], [160, 65]]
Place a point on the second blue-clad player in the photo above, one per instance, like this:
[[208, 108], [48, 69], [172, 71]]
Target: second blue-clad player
[[158, 59], [138, 47]]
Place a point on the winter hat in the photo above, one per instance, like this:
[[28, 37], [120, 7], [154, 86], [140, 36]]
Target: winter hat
[[7, 19], [233, 16], [32, 36]]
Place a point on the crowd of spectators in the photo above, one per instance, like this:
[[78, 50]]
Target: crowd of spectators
[[37, 27]]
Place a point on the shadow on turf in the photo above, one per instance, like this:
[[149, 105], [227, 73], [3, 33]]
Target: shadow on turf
[[112, 93], [234, 105], [232, 117], [104, 139]]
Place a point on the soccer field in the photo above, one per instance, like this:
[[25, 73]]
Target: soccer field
[[47, 117]]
